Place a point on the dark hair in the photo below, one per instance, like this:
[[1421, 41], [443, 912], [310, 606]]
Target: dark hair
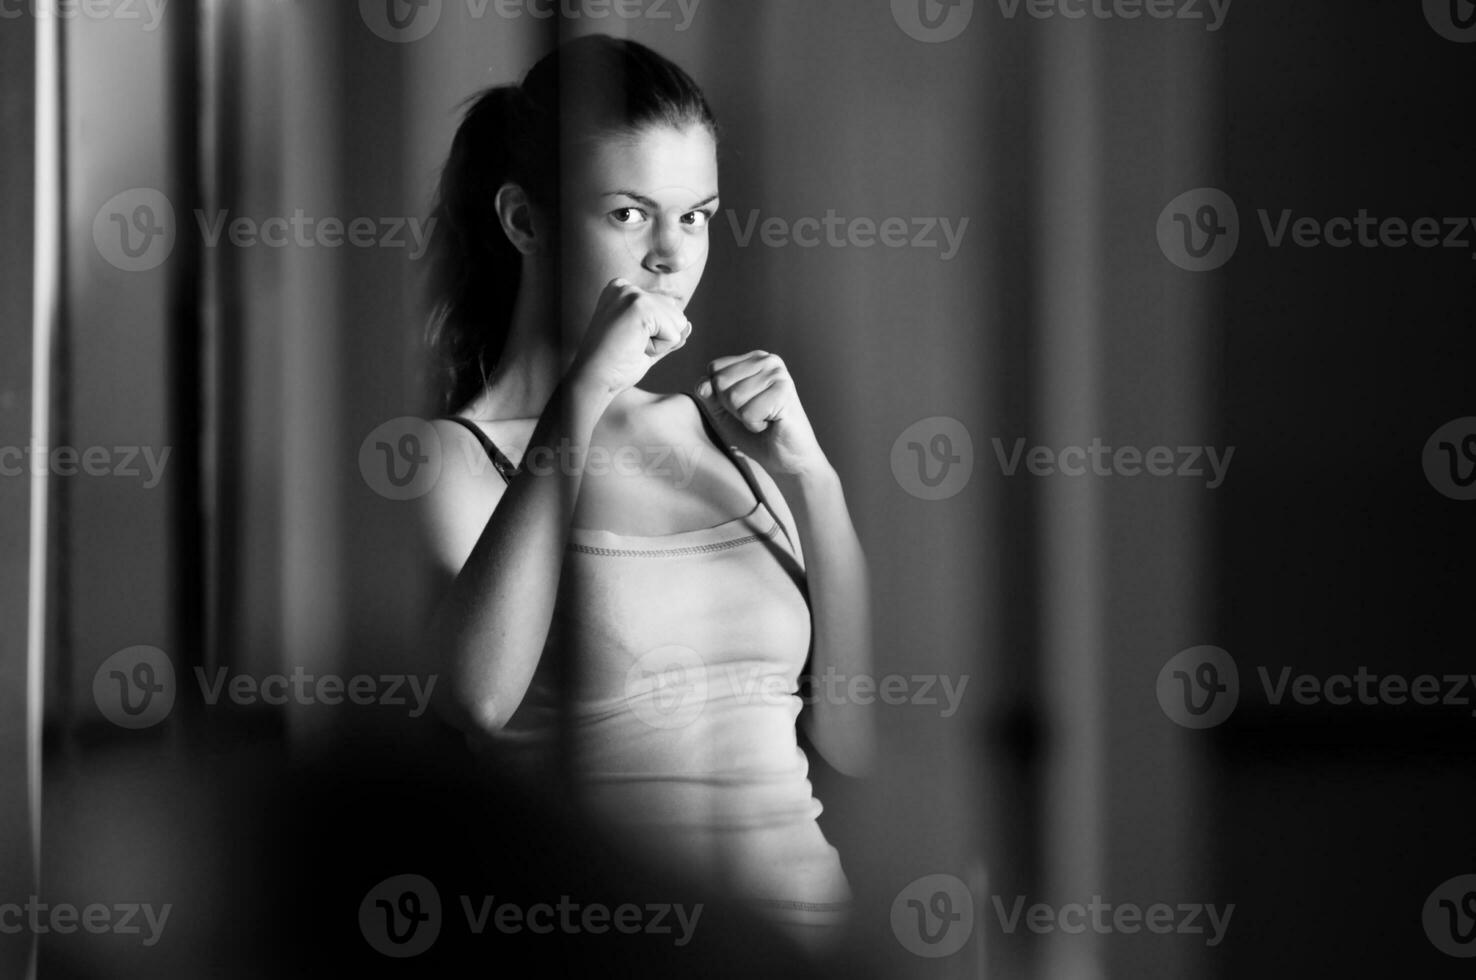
[[589, 88]]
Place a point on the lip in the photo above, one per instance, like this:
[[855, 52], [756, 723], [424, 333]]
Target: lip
[[669, 293]]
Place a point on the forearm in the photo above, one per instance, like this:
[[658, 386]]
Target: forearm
[[840, 600], [490, 628]]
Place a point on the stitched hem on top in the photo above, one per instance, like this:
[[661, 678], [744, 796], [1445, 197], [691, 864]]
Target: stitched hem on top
[[698, 549]]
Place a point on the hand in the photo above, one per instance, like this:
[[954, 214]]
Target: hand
[[756, 408], [629, 332]]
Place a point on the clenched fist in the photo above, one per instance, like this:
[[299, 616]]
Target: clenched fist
[[757, 409], [630, 331]]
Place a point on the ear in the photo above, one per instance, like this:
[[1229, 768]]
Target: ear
[[515, 210]]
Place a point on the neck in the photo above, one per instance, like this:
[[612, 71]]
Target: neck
[[533, 360]]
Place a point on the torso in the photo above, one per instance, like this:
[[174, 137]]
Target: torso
[[662, 475], [675, 745]]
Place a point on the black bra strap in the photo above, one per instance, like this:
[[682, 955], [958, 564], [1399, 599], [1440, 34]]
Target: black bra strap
[[505, 468], [748, 477]]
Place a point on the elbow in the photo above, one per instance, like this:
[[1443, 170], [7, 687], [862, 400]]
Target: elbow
[[850, 752], [460, 699], [468, 713], [854, 761]]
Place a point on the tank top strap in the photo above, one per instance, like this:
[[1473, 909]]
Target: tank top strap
[[742, 464], [505, 468]]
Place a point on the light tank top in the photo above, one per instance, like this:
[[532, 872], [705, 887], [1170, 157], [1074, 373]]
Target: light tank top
[[685, 651]]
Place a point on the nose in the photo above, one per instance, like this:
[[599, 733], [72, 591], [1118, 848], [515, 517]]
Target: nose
[[666, 254]]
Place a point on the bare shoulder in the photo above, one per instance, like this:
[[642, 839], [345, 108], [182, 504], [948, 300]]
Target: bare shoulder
[[467, 489]]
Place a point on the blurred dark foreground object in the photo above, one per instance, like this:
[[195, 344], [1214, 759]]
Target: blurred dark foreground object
[[286, 871]]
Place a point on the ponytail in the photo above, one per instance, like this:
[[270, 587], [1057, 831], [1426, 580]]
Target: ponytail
[[474, 269]]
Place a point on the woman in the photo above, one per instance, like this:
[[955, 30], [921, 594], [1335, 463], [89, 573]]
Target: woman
[[619, 618]]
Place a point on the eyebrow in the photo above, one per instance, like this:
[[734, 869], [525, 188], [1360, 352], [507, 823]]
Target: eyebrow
[[647, 202]]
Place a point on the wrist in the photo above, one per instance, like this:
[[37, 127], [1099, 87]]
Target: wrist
[[815, 477]]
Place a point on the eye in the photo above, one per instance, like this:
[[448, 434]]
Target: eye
[[698, 219], [627, 216]]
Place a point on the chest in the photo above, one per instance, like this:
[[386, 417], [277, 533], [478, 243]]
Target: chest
[[651, 483]]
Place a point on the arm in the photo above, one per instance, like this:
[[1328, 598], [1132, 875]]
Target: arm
[[835, 567], [506, 548], [487, 633], [758, 410]]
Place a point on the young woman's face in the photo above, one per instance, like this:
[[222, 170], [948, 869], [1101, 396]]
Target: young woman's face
[[638, 207]]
